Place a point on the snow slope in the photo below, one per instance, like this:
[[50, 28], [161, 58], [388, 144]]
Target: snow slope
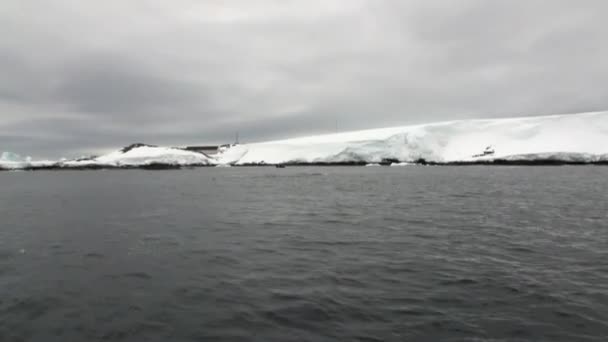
[[132, 156], [139, 155], [573, 137], [569, 138]]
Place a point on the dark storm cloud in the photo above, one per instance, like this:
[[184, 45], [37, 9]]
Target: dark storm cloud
[[79, 77]]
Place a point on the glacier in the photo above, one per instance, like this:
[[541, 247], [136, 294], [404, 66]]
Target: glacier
[[570, 138]]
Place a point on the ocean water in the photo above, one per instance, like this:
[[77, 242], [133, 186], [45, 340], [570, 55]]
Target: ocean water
[[305, 254]]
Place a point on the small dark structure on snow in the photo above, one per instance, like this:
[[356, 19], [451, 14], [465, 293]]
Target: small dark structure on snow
[[489, 151]]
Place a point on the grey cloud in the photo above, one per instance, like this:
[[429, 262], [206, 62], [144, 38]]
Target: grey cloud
[[108, 85], [81, 77]]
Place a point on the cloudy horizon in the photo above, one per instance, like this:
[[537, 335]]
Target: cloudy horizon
[[82, 77]]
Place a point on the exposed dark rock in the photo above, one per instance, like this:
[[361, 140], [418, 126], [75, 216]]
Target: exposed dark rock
[[389, 161], [91, 167], [85, 158], [164, 166], [489, 151], [133, 146], [160, 166]]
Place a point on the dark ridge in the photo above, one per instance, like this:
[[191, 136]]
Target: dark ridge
[[160, 166], [523, 162], [196, 166], [421, 161], [151, 166], [348, 163], [90, 167], [345, 163], [166, 166], [133, 146], [388, 161], [85, 158], [55, 166], [58, 166]]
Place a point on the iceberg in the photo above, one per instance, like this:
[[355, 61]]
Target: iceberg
[[13, 161], [11, 157]]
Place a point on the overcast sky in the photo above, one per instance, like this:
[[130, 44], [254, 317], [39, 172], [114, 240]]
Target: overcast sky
[[80, 77]]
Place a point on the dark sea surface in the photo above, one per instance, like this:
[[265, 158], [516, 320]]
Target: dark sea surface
[[305, 254]]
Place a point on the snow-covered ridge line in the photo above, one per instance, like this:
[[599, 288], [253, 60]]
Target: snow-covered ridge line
[[143, 155], [133, 156], [580, 137], [570, 139]]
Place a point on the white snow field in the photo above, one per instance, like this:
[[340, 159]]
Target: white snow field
[[572, 137], [567, 138], [143, 155]]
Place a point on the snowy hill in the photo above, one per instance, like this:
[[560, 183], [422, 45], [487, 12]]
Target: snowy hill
[[142, 155], [136, 155], [575, 137]]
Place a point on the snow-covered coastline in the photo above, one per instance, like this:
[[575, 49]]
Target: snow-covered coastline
[[575, 137], [133, 156], [569, 139], [143, 155]]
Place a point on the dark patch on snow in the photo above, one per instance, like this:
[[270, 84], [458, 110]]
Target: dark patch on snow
[[134, 146], [160, 166], [85, 158], [489, 151], [389, 161]]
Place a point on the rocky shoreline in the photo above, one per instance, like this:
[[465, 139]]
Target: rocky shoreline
[[420, 162]]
